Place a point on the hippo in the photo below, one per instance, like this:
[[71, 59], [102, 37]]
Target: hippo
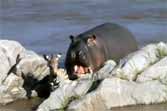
[[89, 50]]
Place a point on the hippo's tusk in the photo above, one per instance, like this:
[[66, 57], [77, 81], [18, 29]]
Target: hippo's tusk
[[75, 68]]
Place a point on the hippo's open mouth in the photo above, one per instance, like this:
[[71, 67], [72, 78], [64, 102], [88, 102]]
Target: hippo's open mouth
[[79, 69]]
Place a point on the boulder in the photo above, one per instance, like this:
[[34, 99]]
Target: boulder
[[8, 54], [33, 64], [12, 70], [12, 89], [135, 63], [157, 71], [115, 92]]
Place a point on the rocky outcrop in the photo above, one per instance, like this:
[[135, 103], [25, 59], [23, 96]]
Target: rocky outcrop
[[31, 63], [132, 65], [139, 78], [133, 81], [11, 72], [12, 89], [8, 54], [157, 71], [71, 90], [115, 92]]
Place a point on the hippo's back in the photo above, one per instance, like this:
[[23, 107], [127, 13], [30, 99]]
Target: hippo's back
[[115, 40]]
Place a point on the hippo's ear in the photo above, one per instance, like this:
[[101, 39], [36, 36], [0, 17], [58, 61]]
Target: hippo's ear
[[91, 41], [72, 38]]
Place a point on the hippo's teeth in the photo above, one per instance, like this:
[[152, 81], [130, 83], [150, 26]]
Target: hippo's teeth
[[75, 68], [82, 70]]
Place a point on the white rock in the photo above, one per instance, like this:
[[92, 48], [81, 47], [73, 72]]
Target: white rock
[[60, 98], [61, 75], [150, 92], [4, 66], [8, 53], [12, 89], [11, 86], [141, 78], [11, 49], [157, 71], [106, 70], [114, 92], [162, 49], [135, 63], [33, 64]]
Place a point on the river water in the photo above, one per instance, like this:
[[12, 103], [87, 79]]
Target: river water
[[45, 25]]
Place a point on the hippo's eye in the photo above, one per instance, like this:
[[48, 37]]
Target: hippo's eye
[[82, 55]]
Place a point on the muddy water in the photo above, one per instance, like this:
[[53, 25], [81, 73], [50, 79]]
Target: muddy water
[[22, 105], [44, 26]]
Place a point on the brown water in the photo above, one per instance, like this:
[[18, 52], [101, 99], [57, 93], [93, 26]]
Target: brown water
[[44, 26], [22, 105]]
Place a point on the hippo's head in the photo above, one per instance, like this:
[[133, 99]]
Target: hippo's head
[[79, 56]]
